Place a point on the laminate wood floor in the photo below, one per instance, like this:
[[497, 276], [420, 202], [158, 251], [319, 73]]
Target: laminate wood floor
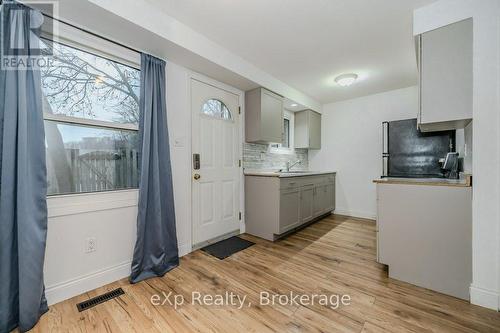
[[335, 256]]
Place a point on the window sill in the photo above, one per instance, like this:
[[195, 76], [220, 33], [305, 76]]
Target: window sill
[[79, 203]]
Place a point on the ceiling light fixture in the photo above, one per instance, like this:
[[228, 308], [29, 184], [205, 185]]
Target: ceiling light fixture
[[294, 105], [346, 80]]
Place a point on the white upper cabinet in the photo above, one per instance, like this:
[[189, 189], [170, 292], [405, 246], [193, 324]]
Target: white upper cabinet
[[445, 80], [263, 116], [307, 129]]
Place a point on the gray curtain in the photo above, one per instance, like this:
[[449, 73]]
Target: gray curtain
[[156, 249], [23, 183]]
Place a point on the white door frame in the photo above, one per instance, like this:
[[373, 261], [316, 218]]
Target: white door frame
[[241, 126]]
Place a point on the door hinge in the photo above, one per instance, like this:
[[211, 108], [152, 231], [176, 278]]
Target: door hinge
[[240, 216], [239, 109], [239, 163]]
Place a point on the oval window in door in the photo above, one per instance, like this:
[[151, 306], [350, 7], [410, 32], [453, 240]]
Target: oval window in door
[[217, 109]]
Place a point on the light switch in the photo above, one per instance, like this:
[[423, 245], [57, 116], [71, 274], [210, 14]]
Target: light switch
[[179, 142]]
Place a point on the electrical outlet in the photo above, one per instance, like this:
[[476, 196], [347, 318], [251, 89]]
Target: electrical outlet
[[90, 245]]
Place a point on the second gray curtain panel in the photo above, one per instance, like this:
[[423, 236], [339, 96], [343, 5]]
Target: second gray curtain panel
[[156, 250]]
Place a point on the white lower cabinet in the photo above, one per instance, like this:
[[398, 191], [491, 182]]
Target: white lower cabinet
[[319, 199], [330, 197], [289, 209], [306, 203], [324, 199], [424, 235], [276, 205]]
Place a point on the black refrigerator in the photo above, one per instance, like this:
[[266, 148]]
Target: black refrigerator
[[409, 153]]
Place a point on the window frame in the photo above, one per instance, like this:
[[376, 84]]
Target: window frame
[[89, 122], [277, 147], [86, 42], [286, 134]]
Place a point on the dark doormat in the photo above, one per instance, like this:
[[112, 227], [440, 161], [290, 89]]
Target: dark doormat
[[227, 247]]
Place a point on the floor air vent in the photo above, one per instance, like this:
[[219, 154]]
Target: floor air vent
[[99, 299]]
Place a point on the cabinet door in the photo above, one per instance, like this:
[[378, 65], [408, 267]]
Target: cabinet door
[[307, 129], [289, 209], [301, 130], [306, 203], [329, 197], [314, 130], [446, 74], [319, 200], [271, 117]]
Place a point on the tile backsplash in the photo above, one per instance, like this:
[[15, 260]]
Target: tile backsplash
[[266, 157]]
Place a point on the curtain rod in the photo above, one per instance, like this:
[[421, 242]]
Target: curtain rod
[[93, 34], [88, 32]]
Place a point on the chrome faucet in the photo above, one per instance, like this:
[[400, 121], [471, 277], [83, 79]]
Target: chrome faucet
[[289, 166]]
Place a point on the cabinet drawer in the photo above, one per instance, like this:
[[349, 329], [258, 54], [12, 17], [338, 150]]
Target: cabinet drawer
[[324, 179], [289, 182], [329, 178], [313, 180]]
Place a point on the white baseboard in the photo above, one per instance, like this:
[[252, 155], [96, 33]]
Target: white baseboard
[[363, 215], [65, 290], [485, 298], [71, 288]]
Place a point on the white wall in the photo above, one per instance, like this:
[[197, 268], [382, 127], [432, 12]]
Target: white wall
[[485, 288], [351, 139], [111, 217]]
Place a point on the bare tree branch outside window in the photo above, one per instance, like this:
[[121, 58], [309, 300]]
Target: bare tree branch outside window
[[81, 84]]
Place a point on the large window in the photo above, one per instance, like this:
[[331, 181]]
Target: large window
[[91, 111]]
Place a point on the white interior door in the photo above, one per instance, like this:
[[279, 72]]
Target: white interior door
[[216, 184]]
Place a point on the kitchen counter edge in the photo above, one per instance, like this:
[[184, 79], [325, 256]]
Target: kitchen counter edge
[[465, 182], [276, 174]]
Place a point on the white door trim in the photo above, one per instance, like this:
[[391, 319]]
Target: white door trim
[[241, 97]]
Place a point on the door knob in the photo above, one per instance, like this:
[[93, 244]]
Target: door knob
[[196, 176]]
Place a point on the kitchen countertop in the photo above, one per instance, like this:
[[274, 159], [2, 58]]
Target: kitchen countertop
[[270, 173], [466, 181]]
